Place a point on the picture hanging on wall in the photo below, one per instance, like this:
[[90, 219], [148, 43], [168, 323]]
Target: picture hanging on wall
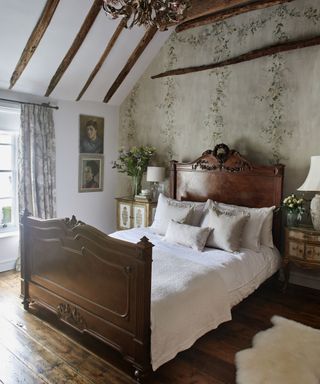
[[91, 134], [91, 173]]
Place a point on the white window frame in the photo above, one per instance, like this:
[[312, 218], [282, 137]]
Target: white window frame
[[9, 125]]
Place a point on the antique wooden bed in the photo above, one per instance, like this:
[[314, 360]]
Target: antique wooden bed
[[101, 285]]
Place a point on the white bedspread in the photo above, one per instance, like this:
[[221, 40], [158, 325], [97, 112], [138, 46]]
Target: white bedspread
[[193, 292]]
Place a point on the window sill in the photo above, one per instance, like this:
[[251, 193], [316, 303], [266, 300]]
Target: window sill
[[9, 233]]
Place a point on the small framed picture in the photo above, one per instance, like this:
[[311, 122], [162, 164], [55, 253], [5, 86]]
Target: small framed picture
[[91, 134], [91, 173]]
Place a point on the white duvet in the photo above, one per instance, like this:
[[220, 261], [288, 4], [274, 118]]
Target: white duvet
[[193, 292]]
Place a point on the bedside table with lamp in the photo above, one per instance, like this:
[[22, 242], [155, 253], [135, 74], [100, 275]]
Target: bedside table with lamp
[[302, 244]]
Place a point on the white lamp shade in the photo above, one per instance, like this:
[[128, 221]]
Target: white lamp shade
[[155, 174], [312, 182]]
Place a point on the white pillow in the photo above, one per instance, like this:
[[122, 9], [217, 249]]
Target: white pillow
[[258, 230], [187, 235], [227, 229], [168, 210]]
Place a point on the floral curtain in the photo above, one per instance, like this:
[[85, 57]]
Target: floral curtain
[[37, 162]]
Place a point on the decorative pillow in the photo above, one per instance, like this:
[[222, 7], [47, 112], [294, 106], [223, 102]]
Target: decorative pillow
[[258, 230], [227, 229], [168, 210], [187, 235]]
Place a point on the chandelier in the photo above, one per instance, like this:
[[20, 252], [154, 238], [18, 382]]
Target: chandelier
[[159, 13]]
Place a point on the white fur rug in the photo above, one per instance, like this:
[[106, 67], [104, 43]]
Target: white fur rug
[[287, 353]]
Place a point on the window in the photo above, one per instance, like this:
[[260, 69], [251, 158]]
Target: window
[[8, 170]]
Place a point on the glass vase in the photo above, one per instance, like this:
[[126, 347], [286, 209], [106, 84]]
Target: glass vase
[[136, 184], [292, 219]]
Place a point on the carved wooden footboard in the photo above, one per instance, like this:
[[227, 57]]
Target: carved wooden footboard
[[93, 282]]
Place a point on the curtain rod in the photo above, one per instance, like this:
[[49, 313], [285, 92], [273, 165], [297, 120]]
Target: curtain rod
[[25, 102]]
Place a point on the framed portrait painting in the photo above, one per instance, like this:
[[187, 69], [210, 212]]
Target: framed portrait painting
[[91, 134], [90, 173]]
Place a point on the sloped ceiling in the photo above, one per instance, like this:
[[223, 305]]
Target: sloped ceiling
[[132, 51], [17, 21]]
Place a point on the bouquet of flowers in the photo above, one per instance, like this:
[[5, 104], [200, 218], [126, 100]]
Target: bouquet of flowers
[[294, 205], [134, 163]]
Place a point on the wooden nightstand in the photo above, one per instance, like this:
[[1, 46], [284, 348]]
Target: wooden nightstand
[[302, 248], [133, 213]]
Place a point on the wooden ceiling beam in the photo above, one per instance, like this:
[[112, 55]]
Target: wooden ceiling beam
[[252, 55], [148, 36], [227, 13], [34, 39], [103, 57], [204, 7], [86, 25]]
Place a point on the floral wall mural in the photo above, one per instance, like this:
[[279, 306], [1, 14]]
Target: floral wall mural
[[268, 108]]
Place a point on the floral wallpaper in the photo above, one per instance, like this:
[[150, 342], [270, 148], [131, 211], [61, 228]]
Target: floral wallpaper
[[268, 108]]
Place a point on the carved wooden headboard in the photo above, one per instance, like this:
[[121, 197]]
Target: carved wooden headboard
[[225, 175]]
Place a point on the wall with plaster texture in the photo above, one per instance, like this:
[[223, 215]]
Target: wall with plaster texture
[[268, 109]]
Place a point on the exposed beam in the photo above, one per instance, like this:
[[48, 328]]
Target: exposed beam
[[252, 55], [86, 25], [227, 13], [131, 62], [204, 7], [103, 57], [34, 39]]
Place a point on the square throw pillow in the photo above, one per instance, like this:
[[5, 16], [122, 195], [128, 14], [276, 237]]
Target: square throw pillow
[[187, 235], [194, 217], [227, 229], [168, 210], [258, 229]]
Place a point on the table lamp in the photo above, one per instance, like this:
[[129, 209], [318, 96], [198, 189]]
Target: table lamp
[[312, 183], [155, 175]]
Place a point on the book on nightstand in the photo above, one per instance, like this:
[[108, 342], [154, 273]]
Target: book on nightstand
[[142, 198]]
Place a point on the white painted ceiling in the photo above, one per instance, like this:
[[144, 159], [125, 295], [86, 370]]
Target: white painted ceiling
[[19, 17]]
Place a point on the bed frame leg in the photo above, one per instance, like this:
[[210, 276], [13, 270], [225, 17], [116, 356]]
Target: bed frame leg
[[26, 303]]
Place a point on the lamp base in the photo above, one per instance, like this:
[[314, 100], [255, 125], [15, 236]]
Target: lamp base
[[315, 212]]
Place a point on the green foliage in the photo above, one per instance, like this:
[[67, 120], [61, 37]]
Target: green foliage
[[134, 162]]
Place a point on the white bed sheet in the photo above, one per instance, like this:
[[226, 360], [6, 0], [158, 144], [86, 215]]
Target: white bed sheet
[[237, 275]]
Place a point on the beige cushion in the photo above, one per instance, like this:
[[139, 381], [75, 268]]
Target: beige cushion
[[187, 235], [227, 229], [258, 229], [189, 212], [168, 210]]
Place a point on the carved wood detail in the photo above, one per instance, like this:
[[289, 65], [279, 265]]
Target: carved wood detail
[[252, 55], [71, 314], [222, 158], [73, 222]]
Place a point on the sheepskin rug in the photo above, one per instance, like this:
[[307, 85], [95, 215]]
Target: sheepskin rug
[[287, 353]]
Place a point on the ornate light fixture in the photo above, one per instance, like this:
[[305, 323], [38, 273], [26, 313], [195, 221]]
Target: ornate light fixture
[[157, 13]]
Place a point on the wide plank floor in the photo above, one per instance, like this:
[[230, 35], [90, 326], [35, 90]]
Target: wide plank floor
[[32, 350]]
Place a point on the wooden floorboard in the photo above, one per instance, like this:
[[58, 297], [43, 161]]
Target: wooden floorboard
[[33, 350]]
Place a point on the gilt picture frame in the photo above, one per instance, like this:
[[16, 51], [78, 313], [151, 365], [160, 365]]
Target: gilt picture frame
[[90, 173]]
